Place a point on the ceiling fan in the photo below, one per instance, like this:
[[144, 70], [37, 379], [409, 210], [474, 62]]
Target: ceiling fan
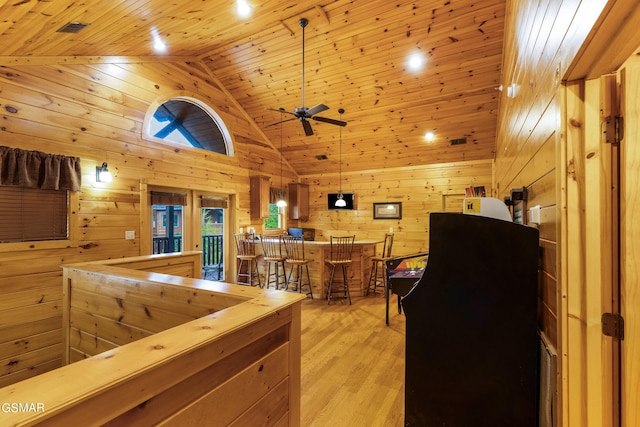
[[303, 113]]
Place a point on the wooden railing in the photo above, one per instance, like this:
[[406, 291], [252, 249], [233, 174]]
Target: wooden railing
[[165, 245], [212, 251], [240, 364]]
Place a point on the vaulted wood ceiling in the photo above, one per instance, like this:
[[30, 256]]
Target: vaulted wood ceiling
[[355, 58]]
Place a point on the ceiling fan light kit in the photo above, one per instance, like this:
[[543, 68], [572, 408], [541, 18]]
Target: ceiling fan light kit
[[304, 114]]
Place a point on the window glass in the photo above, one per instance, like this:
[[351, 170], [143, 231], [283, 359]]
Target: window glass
[[168, 236], [185, 122], [275, 219]]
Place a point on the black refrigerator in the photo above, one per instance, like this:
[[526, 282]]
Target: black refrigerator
[[471, 335]]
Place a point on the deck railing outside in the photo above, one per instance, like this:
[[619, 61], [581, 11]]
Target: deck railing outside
[[212, 253]]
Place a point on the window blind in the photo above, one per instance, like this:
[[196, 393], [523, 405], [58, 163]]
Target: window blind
[[168, 199], [213, 202], [28, 214]]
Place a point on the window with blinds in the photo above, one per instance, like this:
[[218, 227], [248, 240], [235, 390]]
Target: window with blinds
[[28, 215]]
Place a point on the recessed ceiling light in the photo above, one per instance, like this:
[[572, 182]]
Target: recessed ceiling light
[[159, 46], [243, 9], [430, 136], [415, 62]]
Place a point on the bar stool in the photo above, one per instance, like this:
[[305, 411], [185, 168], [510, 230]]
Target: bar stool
[[246, 256], [340, 250], [295, 257], [273, 255], [378, 274]]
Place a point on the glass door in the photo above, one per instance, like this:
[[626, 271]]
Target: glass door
[[213, 243], [167, 223]]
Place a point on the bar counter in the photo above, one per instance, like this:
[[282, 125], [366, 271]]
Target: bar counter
[[318, 251]]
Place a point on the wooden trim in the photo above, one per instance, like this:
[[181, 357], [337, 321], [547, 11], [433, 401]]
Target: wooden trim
[[597, 261], [585, 260], [613, 38], [570, 253], [146, 227]]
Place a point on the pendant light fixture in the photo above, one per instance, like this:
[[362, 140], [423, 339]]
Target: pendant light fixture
[[340, 202], [281, 203]]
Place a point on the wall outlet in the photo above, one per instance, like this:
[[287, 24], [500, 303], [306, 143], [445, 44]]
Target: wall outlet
[[129, 235]]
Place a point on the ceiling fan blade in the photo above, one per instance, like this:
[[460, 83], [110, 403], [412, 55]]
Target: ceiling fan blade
[[281, 110], [307, 127], [331, 121], [315, 110], [281, 121]]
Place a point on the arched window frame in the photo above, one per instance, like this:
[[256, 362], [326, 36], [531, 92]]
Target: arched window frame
[[228, 141]]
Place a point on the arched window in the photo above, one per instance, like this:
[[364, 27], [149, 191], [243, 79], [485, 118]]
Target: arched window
[[187, 121]]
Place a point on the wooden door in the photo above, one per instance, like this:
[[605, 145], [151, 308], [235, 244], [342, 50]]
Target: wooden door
[[630, 241]]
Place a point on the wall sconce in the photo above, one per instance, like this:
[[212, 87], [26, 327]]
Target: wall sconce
[[102, 173]]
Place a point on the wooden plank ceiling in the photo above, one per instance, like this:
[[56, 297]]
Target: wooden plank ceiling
[[356, 55]]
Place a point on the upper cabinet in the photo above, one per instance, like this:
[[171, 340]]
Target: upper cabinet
[[259, 187], [298, 201]]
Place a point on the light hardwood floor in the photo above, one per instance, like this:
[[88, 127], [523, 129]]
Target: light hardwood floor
[[352, 364]]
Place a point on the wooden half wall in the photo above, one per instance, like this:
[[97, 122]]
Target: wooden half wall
[[240, 364]]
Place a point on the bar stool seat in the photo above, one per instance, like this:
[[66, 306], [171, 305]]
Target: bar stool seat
[[274, 256], [340, 250], [246, 257], [295, 258], [378, 274]]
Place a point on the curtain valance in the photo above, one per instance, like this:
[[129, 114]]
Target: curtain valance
[[213, 202], [276, 194], [168, 199], [34, 169]]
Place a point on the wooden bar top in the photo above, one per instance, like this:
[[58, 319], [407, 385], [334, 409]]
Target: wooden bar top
[[327, 242]]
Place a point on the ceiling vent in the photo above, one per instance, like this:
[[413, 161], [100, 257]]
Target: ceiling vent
[[321, 157], [72, 27], [458, 141]]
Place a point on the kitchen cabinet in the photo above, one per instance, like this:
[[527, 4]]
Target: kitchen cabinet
[[298, 201], [259, 196]]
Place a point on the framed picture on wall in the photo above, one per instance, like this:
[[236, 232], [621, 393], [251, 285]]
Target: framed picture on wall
[[389, 210]]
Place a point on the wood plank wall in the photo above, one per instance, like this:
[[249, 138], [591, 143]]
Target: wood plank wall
[[420, 189], [543, 38], [95, 108]]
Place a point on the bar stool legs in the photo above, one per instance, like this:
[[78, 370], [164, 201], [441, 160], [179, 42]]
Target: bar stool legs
[[246, 256], [251, 273], [299, 278], [279, 276], [346, 295], [378, 273], [377, 276], [295, 257], [340, 250], [274, 255]]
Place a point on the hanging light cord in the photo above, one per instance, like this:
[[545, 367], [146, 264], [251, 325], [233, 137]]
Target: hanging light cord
[[340, 202], [281, 188], [340, 157], [281, 202]]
